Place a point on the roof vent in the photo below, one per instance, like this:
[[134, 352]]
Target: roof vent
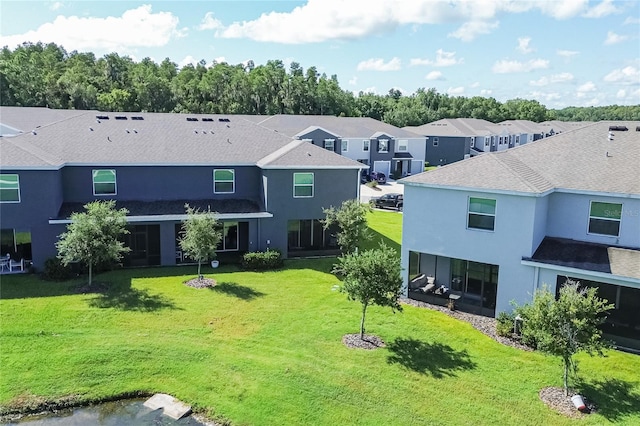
[[224, 120], [135, 131], [192, 119], [207, 119], [204, 132], [91, 129], [102, 117], [127, 130], [618, 128], [121, 117], [637, 128], [610, 137], [195, 131], [137, 117], [34, 132]]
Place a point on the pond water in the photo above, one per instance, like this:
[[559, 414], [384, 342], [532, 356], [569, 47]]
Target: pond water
[[118, 413]]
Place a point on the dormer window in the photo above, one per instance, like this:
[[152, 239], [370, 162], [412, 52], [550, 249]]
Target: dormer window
[[383, 145], [329, 144]]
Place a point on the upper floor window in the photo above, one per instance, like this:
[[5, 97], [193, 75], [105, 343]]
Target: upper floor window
[[473, 142], [365, 145], [403, 145], [302, 185], [224, 181], [383, 145], [104, 182], [604, 218], [9, 188], [486, 141], [329, 144], [345, 145], [436, 141], [482, 213]]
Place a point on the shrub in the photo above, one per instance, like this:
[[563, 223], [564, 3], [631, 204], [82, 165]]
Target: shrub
[[262, 260], [372, 184], [504, 324], [55, 270]]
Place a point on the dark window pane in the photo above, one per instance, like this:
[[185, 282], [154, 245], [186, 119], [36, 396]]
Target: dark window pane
[[604, 227], [481, 222]]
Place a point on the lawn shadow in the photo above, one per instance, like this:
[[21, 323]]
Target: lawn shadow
[[437, 359], [131, 299], [614, 398], [376, 238], [236, 290]]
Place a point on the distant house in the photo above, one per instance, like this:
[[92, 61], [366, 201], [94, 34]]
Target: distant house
[[383, 147], [267, 188], [454, 139], [498, 226]]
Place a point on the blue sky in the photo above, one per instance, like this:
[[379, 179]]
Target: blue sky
[[558, 52]]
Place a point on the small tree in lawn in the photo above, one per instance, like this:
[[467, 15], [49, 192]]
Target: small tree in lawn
[[93, 236], [371, 277], [565, 326], [351, 218], [200, 236]]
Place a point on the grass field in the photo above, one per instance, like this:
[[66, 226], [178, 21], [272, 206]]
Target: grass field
[[265, 349]]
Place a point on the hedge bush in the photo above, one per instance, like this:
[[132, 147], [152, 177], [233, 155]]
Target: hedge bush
[[54, 270], [504, 324], [262, 260]]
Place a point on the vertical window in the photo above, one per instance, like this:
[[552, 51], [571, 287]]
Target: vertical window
[[229, 240], [403, 145], [436, 141], [383, 145], [329, 144], [473, 142], [224, 181], [486, 141], [345, 145], [104, 182], [604, 218], [365, 145], [482, 213], [302, 185], [9, 188]]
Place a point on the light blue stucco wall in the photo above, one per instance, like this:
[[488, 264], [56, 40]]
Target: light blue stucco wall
[[568, 217], [435, 222]]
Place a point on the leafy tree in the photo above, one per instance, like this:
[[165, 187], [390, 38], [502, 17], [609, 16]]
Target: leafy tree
[[371, 277], [565, 326], [200, 236], [351, 218], [93, 236]]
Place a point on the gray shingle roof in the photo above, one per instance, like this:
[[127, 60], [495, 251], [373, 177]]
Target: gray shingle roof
[[154, 139], [583, 159], [27, 119]]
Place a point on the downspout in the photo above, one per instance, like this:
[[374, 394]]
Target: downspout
[[536, 277]]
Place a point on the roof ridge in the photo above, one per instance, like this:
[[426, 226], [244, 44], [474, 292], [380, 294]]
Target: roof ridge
[[35, 151], [521, 170], [279, 153]]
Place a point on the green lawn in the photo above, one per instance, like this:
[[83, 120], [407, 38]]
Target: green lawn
[[265, 348]]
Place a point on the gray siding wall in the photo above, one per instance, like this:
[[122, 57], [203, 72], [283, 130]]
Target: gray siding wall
[[449, 150], [318, 136], [160, 183], [382, 156], [331, 188]]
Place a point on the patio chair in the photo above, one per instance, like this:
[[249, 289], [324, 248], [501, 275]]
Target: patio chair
[[17, 264]]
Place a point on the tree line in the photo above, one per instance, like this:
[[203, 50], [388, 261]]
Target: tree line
[[37, 74]]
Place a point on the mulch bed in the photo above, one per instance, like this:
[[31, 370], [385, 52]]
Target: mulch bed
[[95, 287], [368, 341], [201, 282], [555, 399]]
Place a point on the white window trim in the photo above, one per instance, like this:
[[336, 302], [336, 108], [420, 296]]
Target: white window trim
[[344, 146], [482, 214], [19, 195], [115, 183], [225, 225], [473, 142], [366, 144], [403, 145], [386, 142], [604, 218], [233, 182], [312, 185], [436, 141], [329, 141]]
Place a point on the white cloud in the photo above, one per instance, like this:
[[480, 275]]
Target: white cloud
[[353, 81], [443, 59], [621, 94], [626, 75], [631, 20], [613, 38], [587, 87], [373, 90], [322, 20], [523, 45], [210, 23], [545, 96], [455, 91], [378, 64], [566, 53], [434, 75], [556, 78], [605, 8], [470, 30], [474, 85], [135, 28], [56, 5], [507, 67], [486, 92]]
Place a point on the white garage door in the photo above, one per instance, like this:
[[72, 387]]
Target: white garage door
[[382, 166]]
